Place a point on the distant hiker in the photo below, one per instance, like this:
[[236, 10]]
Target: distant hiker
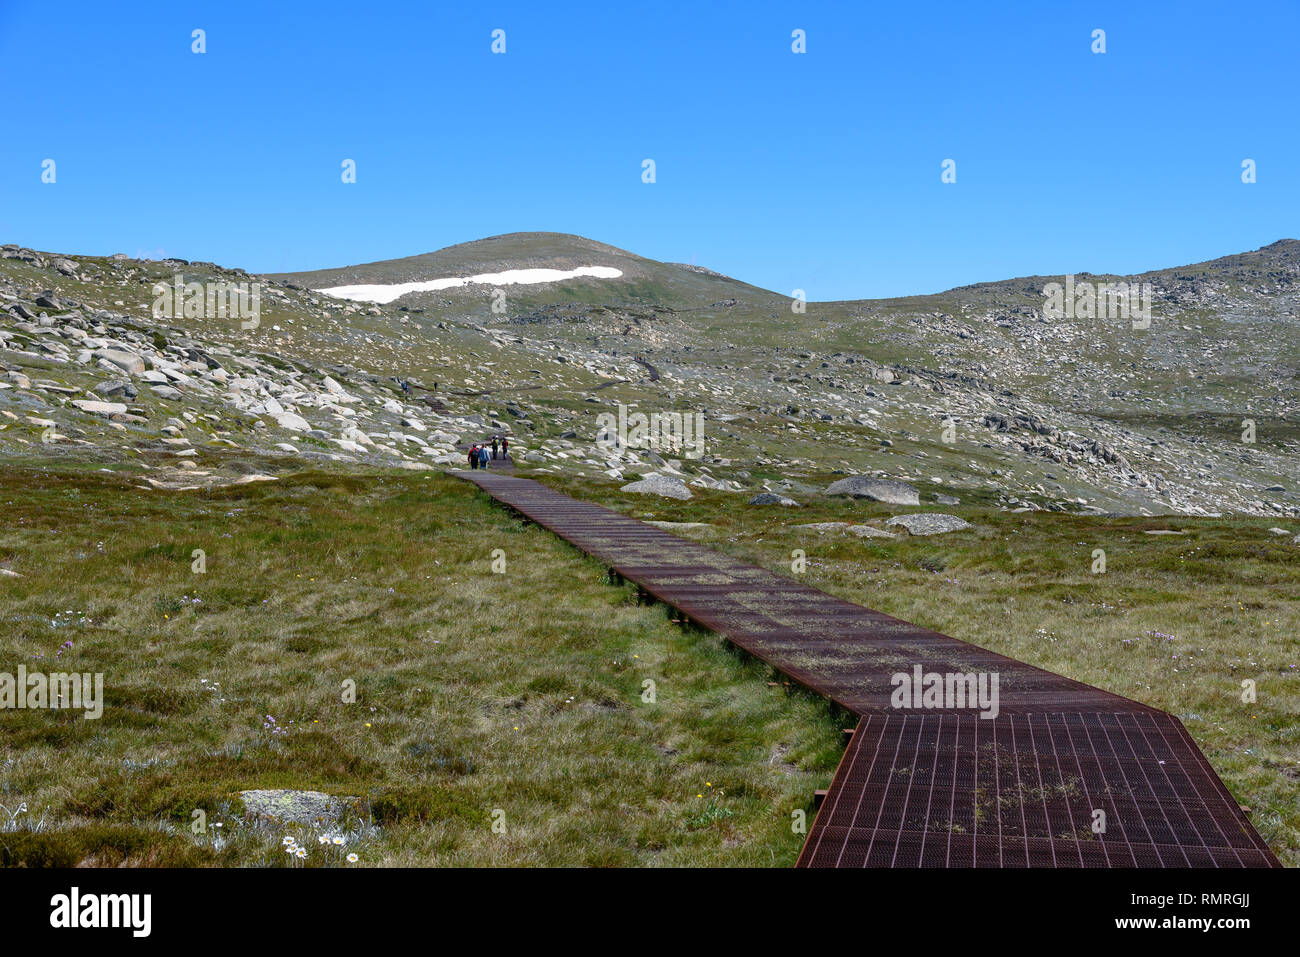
[[483, 457], [505, 447], [473, 456], [406, 386], [495, 443]]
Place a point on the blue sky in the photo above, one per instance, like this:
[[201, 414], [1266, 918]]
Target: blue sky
[[818, 171]]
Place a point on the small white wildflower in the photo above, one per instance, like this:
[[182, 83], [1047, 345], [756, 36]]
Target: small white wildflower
[[352, 858]]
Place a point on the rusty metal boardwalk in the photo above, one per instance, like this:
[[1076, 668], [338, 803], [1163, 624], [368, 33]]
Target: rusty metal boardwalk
[[1065, 775]]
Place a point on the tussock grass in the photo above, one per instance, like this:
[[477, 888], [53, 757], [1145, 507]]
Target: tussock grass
[[476, 692]]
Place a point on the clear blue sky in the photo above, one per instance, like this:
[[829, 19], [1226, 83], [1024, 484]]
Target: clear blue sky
[[818, 171]]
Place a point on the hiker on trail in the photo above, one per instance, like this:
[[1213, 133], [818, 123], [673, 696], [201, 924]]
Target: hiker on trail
[[483, 457], [495, 443], [473, 456], [505, 447]]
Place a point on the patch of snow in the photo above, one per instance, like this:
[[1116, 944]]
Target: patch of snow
[[382, 293]]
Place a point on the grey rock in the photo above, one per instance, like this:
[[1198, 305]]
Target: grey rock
[[98, 408], [291, 420], [862, 531], [656, 484], [118, 387], [128, 362], [878, 490], [302, 807], [769, 498], [929, 523], [867, 531]]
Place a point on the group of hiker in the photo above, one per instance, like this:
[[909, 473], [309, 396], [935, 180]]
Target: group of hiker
[[479, 454]]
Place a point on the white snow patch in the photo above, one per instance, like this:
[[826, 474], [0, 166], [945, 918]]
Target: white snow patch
[[511, 277]]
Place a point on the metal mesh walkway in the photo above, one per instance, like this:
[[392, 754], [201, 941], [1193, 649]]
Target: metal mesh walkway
[[1065, 775]]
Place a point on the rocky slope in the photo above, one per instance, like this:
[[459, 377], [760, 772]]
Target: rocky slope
[[975, 391]]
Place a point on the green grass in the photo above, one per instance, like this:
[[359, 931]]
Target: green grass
[[1176, 621], [476, 692]]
